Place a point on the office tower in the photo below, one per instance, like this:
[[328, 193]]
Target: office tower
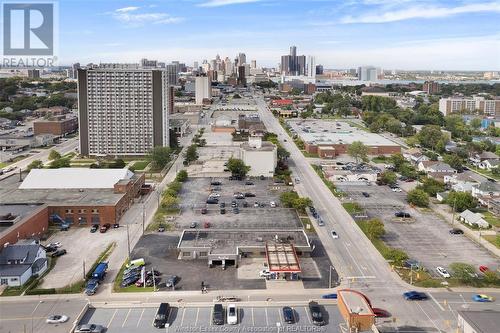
[[431, 87], [241, 76], [73, 71], [203, 89], [205, 67], [300, 67], [228, 66], [311, 66], [213, 64], [145, 63], [292, 64], [242, 59], [195, 65], [369, 73], [122, 111], [253, 64], [34, 73], [319, 70], [172, 74]]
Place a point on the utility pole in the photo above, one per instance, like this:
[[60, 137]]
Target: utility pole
[[453, 215], [128, 244], [143, 216]]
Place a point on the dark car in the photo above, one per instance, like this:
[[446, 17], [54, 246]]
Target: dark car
[[222, 205], [161, 228], [316, 314], [216, 183], [131, 275], [104, 228], [249, 195], [236, 210], [204, 211], [245, 204], [312, 209], [193, 225], [171, 281], [288, 316], [161, 315], [116, 225], [402, 214], [414, 296], [223, 210], [49, 249], [212, 201], [456, 231], [218, 314], [129, 281], [366, 194], [58, 253], [248, 183], [94, 228]]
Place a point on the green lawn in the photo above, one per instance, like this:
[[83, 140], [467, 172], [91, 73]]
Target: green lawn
[[491, 219], [379, 159], [140, 165], [3, 164], [485, 173], [491, 239], [308, 226], [352, 207]]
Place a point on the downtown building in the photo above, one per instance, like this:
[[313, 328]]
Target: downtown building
[[488, 107], [122, 111], [292, 64]]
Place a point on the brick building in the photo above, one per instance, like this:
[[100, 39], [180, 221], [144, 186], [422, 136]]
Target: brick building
[[58, 126]]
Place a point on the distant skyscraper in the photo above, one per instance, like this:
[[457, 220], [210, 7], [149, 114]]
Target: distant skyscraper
[[369, 73], [253, 64], [319, 70], [33, 73], [145, 63], [195, 65], [292, 64], [431, 87], [172, 74], [203, 89], [311, 66], [241, 75], [122, 111], [242, 59]]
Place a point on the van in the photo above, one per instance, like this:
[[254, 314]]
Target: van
[[161, 315], [136, 263], [218, 315]]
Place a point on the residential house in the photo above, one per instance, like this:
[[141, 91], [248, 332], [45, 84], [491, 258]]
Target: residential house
[[463, 182], [486, 191], [435, 166], [20, 261], [494, 207], [473, 219], [477, 159], [414, 156], [490, 164]]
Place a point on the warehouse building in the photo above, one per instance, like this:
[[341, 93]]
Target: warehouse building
[[478, 321]]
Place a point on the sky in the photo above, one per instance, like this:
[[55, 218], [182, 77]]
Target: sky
[[393, 34]]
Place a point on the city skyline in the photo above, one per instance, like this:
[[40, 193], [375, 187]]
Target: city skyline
[[419, 35]]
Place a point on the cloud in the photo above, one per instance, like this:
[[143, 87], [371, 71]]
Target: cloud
[[416, 12], [127, 9], [220, 3], [130, 16]]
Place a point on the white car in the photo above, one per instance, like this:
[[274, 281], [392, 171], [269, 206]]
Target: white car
[[334, 234], [232, 314], [272, 204], [214, 195], [264, 273], [396, 189], [443, 272], [55, 244], [56, 319]]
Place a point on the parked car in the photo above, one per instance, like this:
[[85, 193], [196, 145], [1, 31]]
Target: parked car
[[223, 211], [218, 314], [482, 298], [206, 225], [204, 211], [288, 315], [193, 225], [272, 204], [265, 273], [89, 328], [130, 281], [381, 313], [329, 296], [248, 182], [443, 272], [236, 210], [214, 195], [396, 189], [171, 281], [232, 314], [216, 183], [366, 194], [256, 204], [94, 228], [234, 204], [55, 244], [222, 205], [104, 228], [58, 253], [212, 201], [91, 287], [50, 249], [161, 228], [321, 222], [456, 231], [245, 204], [239, 195], [334, 234], [402, 214], [316, 314], [249, 195], [483, 268], [414, 296], [56, 319], [161, 316]]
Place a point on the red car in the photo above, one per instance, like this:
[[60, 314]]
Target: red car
[[206, 225], [381, 313], [483, 268]]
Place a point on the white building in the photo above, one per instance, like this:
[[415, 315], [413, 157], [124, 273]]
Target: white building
[[203, 89], [369, 73], [311, 66], [478, 321], [20, 261], [261, 156]]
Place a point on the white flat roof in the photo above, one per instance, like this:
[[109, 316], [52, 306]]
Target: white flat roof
[[74, 178], [369, 139]]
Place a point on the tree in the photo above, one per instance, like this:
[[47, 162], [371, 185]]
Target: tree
[[287, 198], [431, 186], [169, 202], [36, 164], [300, 204], [398, 160], [117, 164], [191, 154], [358, 151], [388, 177], [418, 198], [495, 171], [430, 136], [60, 163], [454, 161], [282, 153], [160, 156], [182, 176], [237, 167], [463, 272], [375, 229], [475, 123], [461, 201], [54, 155]]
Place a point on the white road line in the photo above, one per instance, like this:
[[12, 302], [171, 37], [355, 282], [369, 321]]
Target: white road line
[[354, 260], [112, 317], [267, 321], [463, 299], [432, 321], [126, 317], [210, 321], [280, 317], [437, 303], [307, 315], [140, 318], [253, 318], [197, 314], [182, 319]]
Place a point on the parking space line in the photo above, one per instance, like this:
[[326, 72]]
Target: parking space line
[[112, 317], [183, 314], [128, 313], [140, 318], [279, 316], [307, 314], [197, 313], [294, 315], [253, 319], [267, 320], [210, 321]]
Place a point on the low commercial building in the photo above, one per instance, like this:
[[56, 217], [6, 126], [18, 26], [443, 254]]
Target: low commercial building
[[22, 221], [20, 142], [180, 126], [261, 156], [57, 126], [478, 321], [356, 310], [19, 262]]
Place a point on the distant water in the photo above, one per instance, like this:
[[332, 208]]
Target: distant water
[[386, 82]]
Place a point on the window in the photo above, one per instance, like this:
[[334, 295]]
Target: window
[[203, 254], [186, 254], [69, 211], [4, 281], [82, 211], [95, 211]]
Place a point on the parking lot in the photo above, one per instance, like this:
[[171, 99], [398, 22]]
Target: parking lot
[[424, 237], [199, 319], [195, 192]]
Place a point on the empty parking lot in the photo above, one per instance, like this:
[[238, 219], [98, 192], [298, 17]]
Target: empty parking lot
[[425, 236], [199, 319]]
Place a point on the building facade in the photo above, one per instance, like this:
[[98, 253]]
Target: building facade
[[202, 89], [489, 107], [122, 111]]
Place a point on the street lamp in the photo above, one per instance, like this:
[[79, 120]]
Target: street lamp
[[33, 313]]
